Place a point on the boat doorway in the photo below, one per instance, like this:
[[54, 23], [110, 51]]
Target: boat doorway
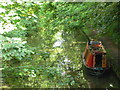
[[98, 60]]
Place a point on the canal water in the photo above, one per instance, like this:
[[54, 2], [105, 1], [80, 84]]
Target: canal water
[[66, 49]]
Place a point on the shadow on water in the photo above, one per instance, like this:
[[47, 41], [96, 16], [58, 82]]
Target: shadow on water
[[108, 80]]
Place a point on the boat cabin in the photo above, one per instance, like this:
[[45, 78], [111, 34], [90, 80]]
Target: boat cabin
[[95, 55]]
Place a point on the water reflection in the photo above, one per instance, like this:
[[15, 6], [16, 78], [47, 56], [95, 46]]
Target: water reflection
[[65, 53]]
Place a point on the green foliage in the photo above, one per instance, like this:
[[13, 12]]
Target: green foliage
[[16, 33], [36, 24], [13, 48]]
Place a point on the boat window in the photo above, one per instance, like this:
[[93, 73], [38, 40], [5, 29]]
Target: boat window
[[98, 60]]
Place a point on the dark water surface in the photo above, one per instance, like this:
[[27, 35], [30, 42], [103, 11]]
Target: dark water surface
[[66, 48]]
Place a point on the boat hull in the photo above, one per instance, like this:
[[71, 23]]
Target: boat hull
[[94, 71]]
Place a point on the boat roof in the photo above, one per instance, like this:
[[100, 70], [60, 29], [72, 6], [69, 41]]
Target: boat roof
[[94, 42], [96, 47]]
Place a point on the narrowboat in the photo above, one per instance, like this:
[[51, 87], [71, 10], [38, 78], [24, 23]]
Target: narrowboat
[[94, 58]]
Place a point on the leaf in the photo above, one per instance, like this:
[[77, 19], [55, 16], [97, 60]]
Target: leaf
[[72, 83], [18, 11], [24, 21], [2, 38], [25, 69]]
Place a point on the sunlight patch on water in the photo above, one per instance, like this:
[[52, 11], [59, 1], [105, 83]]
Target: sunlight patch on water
[[66, 60], [59, 39], [57, 43]]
